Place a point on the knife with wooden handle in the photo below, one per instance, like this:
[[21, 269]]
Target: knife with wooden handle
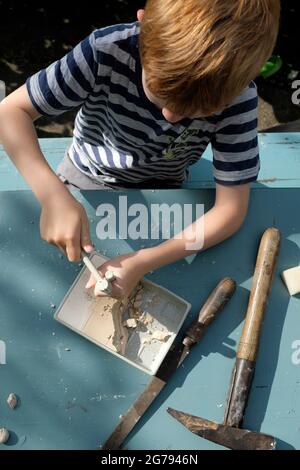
[[176, 355]]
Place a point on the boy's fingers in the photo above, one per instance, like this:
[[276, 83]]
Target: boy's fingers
[[62, 249], [86, 242], [73, 249], [98, 292], [91, 282]]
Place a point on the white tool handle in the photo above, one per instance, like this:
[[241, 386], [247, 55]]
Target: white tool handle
[[91, 267], [103, 284]]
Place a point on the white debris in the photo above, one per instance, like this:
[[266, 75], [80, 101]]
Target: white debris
[[161, 335], [131, 323], [12, 401], [4, 435]]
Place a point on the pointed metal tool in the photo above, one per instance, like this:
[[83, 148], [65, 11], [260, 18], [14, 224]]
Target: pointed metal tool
[[229, 433], [227, 436], [176, 355]]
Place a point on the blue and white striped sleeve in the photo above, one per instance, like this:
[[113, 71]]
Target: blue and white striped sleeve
[[66, 83], [235, 142]]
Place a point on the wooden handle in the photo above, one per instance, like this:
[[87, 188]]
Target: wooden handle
[[214, 304], [261, 286], [216, 301]]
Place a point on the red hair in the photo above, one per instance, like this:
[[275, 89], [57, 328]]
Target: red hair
[[198, 55]]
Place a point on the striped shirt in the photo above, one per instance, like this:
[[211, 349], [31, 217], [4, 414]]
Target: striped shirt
[[120, 137]]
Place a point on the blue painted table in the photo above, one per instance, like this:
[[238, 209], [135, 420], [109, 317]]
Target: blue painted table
[[72, 392]]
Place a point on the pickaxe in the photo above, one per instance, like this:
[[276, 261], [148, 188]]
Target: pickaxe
[[229, 433]]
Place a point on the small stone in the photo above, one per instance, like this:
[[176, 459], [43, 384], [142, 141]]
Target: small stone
[[146, 319], [53, 306], [161, 336], [4, 435], [12, 401], [131, 323]]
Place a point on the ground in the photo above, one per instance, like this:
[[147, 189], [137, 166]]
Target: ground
[[35, 33]]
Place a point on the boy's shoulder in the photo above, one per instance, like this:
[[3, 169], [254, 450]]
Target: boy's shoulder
[[248, 94], [244, 106], [115, 34]]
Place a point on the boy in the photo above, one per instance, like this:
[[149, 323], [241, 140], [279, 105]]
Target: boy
[[153, 94]]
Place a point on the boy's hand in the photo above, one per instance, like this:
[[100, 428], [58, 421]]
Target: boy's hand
[[128, 270], [64, 223]]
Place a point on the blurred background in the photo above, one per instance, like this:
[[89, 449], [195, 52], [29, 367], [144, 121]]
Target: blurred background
[[35, 33]]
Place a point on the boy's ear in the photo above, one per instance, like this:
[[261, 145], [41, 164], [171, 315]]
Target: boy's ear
[[140, 15]]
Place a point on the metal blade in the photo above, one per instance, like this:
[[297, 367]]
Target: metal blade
[[147, 397], [133, 415], [233, 438], [185, 352]]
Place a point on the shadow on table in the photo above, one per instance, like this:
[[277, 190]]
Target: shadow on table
[[272, 210], [270, 207]]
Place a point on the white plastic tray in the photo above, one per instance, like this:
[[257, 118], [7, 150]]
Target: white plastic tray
[[168, 310]]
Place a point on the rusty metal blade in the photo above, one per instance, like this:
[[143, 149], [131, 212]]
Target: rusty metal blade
[[133, 415], [135, 412], [233, 438]]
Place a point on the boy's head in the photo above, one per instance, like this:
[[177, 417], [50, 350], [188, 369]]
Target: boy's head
[[198, 55]]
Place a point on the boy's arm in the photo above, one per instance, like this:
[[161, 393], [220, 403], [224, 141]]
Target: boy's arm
[[235, 165], [63, 221], [19, 138], [62, 86], [219, 223]]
